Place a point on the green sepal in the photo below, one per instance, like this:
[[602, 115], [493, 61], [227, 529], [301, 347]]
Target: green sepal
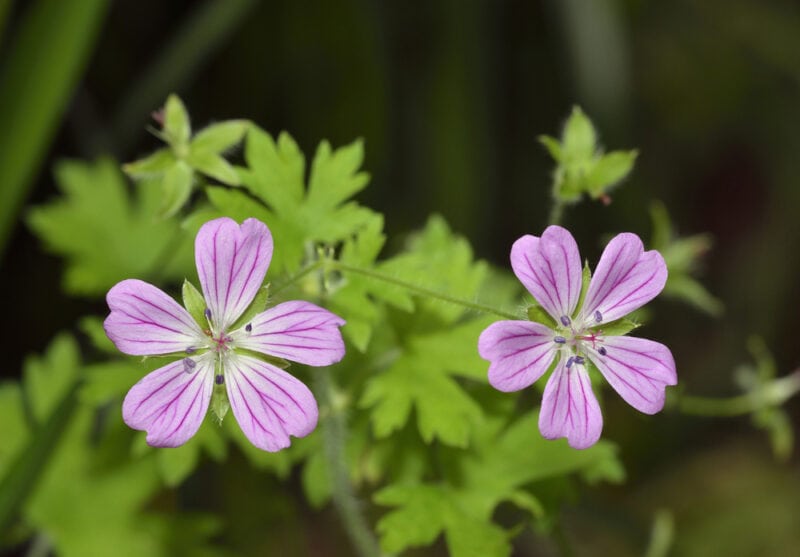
[[177, 187], [537, 314], [620, 327], [553, 146], [177, 128], [219, 402], [218, 138], [586, 279], [212, 164], [580, 139], [258, 305], [194, 303], [153, 164], [609, 170]]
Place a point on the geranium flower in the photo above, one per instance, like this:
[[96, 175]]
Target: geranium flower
[[520, 352], [171, 402]]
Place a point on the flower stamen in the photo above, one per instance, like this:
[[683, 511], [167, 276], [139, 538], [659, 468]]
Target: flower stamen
[[189, 365]]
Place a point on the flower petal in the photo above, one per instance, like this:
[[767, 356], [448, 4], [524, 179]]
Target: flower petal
[[298, 331], [638, 369], [145, 321], [231, 263], [268, 403], [569, 407], [171, 402], [519, 351], [626, 278], [550, 268]]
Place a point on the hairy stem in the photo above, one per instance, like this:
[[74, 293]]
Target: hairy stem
[[482, 308], [774, 393], [297, 276], [556, 212], [334, 434]]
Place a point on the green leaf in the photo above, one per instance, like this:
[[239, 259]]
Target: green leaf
[[586, 279], [537, 314], [175, 464], [258, 305], [105, 235], [152, 165], [176, 122], [176, 186], [220, 137], [609, 170]]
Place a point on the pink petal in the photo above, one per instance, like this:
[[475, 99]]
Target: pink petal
[[638, 369], [519, 351], [170, 402], [550, 268], [626, 278], [298, 331], [569, 407], [231, 263], [268, 403], [145, 321]]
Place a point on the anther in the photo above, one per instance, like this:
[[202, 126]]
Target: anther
[[602, 350], [207, 313], [598, 316], [249, 327], [191, 350], [569, 362], [189, 365], [219, 379], [559, 340], [579, 360], [565, 320]]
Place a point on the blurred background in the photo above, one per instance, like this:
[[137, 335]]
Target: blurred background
[[450, 97]]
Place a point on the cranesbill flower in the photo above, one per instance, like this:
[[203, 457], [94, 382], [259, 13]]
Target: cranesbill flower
[[520, 352], [270, 404]]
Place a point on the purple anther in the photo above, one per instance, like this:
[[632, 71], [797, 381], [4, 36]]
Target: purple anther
[[565, 320], [598, 316], [569, 362], [249, 327], [602, 350], [189, 365], [579, 360], [207, 313], [219, 379], [191, 350], [559, 340]]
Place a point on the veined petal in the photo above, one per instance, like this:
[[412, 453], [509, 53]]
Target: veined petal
[[145, 321], [519, 351], [626, 278], [638, 369], [569, 407], [550, 268], [298, 331], [269, 404], [232, 261], [171, 402]]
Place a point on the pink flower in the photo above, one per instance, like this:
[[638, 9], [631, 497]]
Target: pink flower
[[520, 352], [171, 402]]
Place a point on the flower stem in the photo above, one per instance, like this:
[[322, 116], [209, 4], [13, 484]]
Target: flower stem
[[297, 276], [556, 211], [334, 434], [421, 290], [774, 393]]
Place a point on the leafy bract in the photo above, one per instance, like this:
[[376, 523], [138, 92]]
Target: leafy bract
[[105, 234], [581, 165]]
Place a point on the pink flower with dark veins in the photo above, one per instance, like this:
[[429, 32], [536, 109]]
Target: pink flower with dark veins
[[171, 402], [520, 352]]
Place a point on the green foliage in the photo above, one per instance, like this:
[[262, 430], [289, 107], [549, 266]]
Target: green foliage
[[106, 235], [681, 256], [581, 165], [297, 215], [175, 165]]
